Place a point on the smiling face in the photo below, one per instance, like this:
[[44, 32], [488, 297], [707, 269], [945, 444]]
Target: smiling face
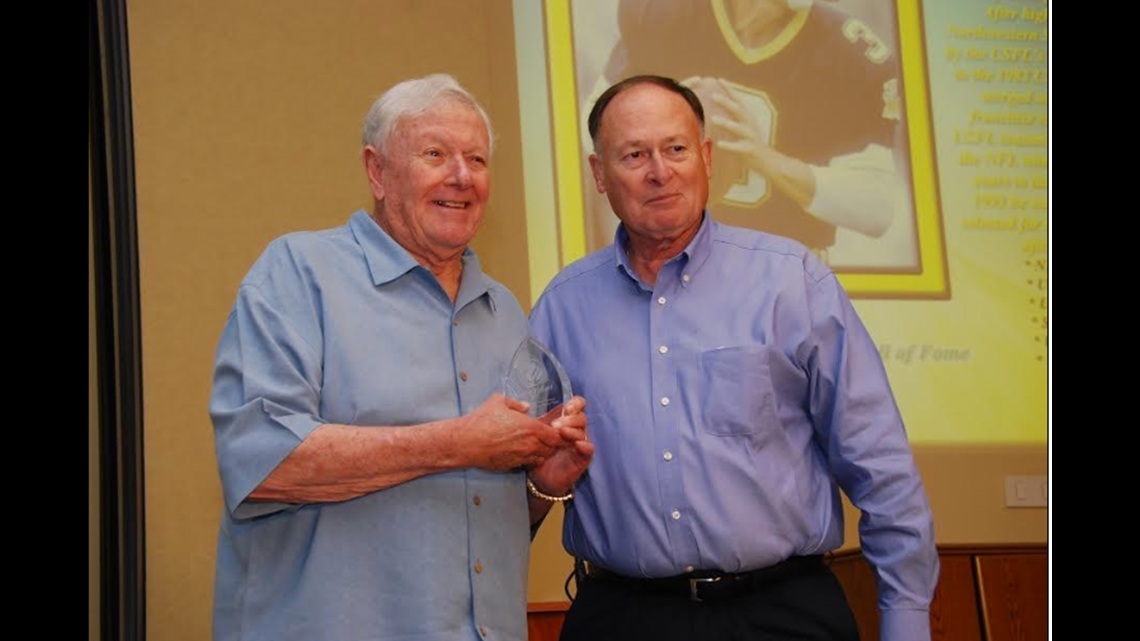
[[652, 164], [432, 184]]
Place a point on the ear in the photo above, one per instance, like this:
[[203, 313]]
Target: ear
[[596, 169], [374, 167]]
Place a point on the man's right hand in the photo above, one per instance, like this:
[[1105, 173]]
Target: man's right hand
[[499, 435]]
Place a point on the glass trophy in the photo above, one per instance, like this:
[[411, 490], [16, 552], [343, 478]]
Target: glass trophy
[[536, 377]]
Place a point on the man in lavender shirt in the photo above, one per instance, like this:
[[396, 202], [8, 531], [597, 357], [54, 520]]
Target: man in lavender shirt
[[733, 392]]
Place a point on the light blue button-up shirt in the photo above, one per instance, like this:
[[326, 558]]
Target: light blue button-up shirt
[[344, 326], [728, 403]]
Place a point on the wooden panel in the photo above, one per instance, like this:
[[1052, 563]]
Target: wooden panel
[[954, 609], [544, 620], [1011, 581], [1014, 596]]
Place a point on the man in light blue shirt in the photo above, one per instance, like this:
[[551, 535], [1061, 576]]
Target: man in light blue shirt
[[371, 473], [733, 391]]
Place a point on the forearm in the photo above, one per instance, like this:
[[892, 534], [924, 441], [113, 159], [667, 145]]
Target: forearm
[[341, 462]]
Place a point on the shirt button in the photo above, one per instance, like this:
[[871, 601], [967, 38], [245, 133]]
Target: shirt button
[[676, 515], [688, 568], [455, 322], [668, 455], [686, 277], [479, 566], [463, 376], [482, 631], [477, 500], [663, 349], [661, 301], [664, 400]]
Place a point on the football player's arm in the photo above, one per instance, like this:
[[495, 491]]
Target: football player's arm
[[855, 191]]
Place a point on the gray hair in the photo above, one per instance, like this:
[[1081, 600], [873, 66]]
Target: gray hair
[[412, 98]]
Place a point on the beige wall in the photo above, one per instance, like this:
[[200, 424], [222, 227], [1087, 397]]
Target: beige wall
[[247, 119], [246, 127]]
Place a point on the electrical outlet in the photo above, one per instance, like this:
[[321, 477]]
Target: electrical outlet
[[1027, 491]]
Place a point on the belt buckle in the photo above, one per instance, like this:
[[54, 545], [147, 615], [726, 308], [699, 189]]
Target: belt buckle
[[694, 587]]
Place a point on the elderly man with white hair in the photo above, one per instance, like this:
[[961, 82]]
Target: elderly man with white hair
[[374, 479]]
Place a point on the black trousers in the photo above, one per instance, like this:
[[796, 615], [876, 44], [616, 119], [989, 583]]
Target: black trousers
[[809, 605]]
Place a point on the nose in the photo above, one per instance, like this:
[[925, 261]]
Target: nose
[[659, 171], [459, 175]]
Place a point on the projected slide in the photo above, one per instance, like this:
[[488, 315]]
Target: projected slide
[[926, 120]]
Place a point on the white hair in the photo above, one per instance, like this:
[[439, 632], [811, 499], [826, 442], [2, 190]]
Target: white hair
[[412, 98]]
